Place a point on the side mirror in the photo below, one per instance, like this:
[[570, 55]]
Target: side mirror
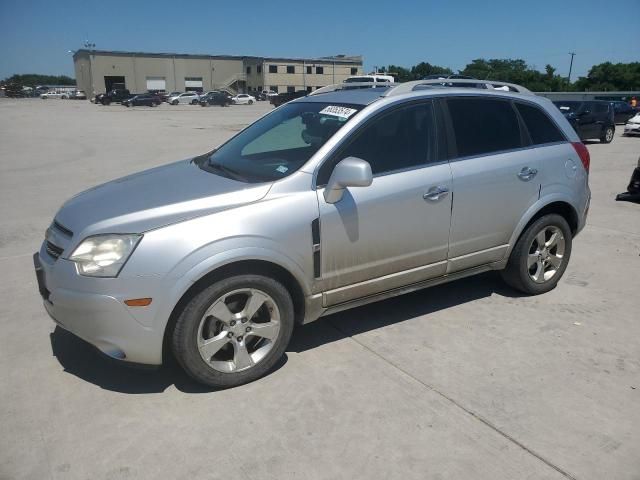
[[350, 172]]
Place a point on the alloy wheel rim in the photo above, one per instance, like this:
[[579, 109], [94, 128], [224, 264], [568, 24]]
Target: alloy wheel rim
[[546, 254], [238, 330], [609, 135]]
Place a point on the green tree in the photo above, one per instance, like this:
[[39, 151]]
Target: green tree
[[416, 72], [611, 76], [423, 69], [35, 79]]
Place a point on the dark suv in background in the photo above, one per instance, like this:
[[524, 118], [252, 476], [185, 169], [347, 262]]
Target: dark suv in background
[[622, 111], [590, 119]]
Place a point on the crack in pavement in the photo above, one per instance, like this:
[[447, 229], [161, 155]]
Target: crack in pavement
[[475, 415]]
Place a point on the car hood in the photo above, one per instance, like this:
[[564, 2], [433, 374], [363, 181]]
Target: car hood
[[155, 198], [634, 119]]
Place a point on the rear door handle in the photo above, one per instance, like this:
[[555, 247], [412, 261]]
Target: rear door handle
[[436, 193], [527, 174]]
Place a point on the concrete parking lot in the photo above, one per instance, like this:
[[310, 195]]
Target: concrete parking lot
[[462, 381]]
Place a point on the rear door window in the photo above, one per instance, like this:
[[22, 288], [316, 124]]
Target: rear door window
[[541, 129], [484, 125]]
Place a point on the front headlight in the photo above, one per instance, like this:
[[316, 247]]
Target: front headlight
[[104, 255]]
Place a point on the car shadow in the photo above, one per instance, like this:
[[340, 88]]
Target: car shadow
[[81, 359]]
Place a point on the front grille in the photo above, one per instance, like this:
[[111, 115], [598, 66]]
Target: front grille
[[53, 250], [61, 229]]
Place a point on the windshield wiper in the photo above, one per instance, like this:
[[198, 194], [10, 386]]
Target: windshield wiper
[[228, 172]]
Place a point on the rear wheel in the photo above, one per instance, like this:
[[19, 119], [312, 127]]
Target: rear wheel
[[234, 331], [607, 135], [540, 256]]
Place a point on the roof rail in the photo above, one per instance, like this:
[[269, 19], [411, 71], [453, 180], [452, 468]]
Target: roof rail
[[394, 89], [409, 87], [352, 85]]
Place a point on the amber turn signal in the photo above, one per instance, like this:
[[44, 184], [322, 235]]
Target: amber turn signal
[[138, 302]]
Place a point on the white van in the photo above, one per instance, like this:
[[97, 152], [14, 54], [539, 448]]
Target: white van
[[373, 78]]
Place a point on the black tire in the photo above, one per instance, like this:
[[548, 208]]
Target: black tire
[[185, 334], [250, 102], [607, 135], [517, 273], [175, 102]]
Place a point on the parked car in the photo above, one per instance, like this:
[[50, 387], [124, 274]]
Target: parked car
[[216, 98], [243, 99], [277, 100], [116, 95], [372, 78], [172, 94], [161, 94], [53, 95], [144, 99], [590, 119], [632, 127], [79, 95], [622, 111], [332, 201], [190, 98]]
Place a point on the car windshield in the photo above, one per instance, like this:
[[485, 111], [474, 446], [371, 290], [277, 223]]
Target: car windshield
[[278, 144], [568, 107]]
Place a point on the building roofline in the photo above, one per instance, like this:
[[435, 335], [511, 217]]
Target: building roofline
[[346, 59]]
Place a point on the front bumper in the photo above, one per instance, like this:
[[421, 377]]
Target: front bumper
[[632, 128], [97, 317]]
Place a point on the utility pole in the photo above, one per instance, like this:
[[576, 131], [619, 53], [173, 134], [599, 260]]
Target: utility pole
[[571, 65]]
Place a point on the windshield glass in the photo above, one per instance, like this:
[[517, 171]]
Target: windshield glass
[[280, 143], [568, 107]]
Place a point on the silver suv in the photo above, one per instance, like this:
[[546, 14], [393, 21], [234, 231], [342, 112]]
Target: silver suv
[[334, 200]]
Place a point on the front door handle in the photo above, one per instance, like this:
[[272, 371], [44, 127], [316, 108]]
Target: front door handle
[[527, 174], [436, 193]]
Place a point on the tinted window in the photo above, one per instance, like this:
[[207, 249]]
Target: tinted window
[[290, 69], [402, 138], [483, 125], [568, 106], [320, 70], [273, 69], [601, 108], [541, 128]]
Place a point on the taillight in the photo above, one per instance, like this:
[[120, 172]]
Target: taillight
[[583, 153]]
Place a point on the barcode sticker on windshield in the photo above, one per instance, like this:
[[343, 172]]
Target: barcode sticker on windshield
[[336, 111]]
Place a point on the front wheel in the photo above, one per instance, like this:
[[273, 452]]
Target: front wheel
[[175, 102], [607, 135], [250, 102], [234, 331], [540, 256]]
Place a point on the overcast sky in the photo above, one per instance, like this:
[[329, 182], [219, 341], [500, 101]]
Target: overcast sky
[[35, 36]]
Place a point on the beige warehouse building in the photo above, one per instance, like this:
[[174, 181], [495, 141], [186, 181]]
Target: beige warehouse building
[[97, 71]]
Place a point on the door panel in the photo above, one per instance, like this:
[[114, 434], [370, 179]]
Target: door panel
[[383, 229], [495, 179], [490, 199]]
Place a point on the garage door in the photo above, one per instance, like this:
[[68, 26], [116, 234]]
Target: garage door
[[156, 83], [193, 84]]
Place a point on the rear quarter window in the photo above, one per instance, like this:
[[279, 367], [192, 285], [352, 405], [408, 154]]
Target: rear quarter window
[[541, 129]]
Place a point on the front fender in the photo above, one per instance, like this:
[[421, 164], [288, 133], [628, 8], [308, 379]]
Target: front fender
[[185, 274]]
